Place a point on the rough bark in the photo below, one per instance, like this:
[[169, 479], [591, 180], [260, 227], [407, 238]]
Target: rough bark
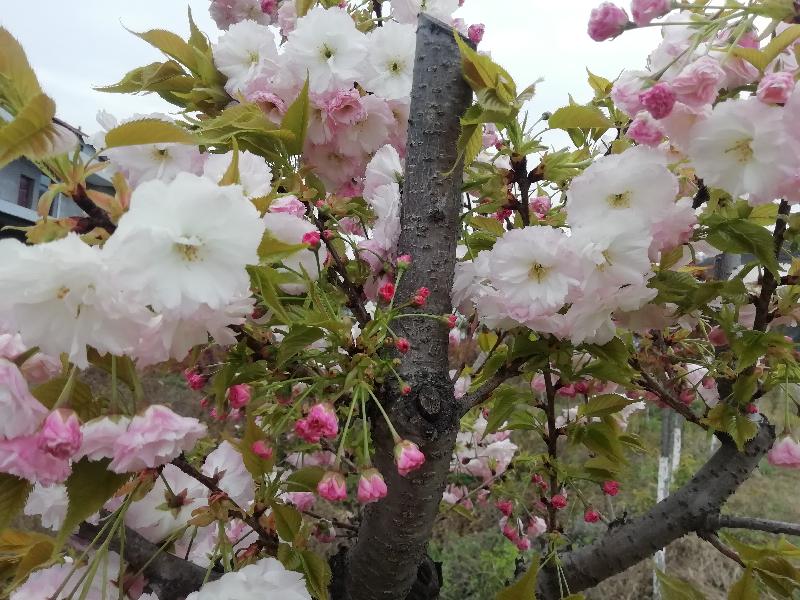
[[383, 564], [691, 508], [169, 576]]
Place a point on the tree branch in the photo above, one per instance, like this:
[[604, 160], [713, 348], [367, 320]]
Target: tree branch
[[268, 539], [768, 282], [650, 383], [716, 522], [168, 576], [97, 216], [686, 510], [473, 399], [384, 562]]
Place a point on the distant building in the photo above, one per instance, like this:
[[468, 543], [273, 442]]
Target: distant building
[[22, 184]]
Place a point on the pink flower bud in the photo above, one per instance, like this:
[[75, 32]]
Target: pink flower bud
[[581, 387], [386, 292], [591, 516], [60, 435], [607, 21], [321, 422], [407, 457], [751, 409], [659, 100], [785, 453], [540, 205], [510, 531], [371, 486], [503, 214], [475, 32], [505, 506], [328, 234], [402, 344], [332, 486], [687, 397], [194, 379], [645, 11], [452, 321], [567, 390], [239, 395], [261, 449], [611, 488], [303, 501], [403, 261], [312, 238], [775, 88], [405, 390], [523, 544], [269, 6], [558, 501]]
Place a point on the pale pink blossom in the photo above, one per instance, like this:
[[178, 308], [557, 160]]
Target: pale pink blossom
[[475, 32], [658, 100], [775, 88], [60, 435], [785, 453], [261, 449], [407, 457], [303, 501], [644, 11], [607, 21], [371, 486], [332, 486], [626, 91], [155, 438], [22, 456], [698, 84], [100, 435], [536, 527], [22, 413], [288, 204]]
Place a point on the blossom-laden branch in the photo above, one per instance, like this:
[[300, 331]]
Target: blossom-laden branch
[[692, 508], [769, 284]]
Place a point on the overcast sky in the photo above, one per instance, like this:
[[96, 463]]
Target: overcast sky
[[76, 45]]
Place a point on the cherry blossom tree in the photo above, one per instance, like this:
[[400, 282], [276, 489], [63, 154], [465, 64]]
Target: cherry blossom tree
[[397, 301]]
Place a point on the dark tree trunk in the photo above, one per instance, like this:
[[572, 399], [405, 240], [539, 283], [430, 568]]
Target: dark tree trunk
[[385, 561]]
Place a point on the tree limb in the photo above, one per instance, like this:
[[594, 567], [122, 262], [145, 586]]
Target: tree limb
[[686, 510], [97, 216], [768, 282], [716, 522], [473, 399], [169, 576], [384, 563]]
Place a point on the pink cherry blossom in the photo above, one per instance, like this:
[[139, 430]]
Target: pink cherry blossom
[[22, 456], [475, 32], [591, 516], [611, 488], [644, 11], [303, 501], [775, 88], [154, 438], [239, 395], [558, 501], [785, 453], [371, 487], [658, 100], [321, 422], [194, 379], [698, 84], [540, 206], [607, 21], [332, 486], [288, 204], [536, 527], [626, 90], [407, 457], [261, 449], [60, 435], [22, 412], [645, 130]]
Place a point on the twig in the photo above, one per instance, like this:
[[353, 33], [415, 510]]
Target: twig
[[473, 399], [768, 282], [552, 444], [753, 523], [713, 539], [651, 384], [269, 540], [332, 521], [97, 216]]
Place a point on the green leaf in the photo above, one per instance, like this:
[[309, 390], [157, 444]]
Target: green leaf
[[504, 401], [170, 44], [675, 588], [273, 250], [37, 555], [13, 495], [79, 398], [287, 521], [231, 176], [296, 121], [730, 419], [148, 131], [197, 38], [18, 82], [603, 405], [600, 85], [317, 572], [126, 371], [89, 487], [761, 59], [746, 588], [483, 74], [303, 6], [740, 236], [168, 76], [33, 134], [579, 117], [298, 339], [263, 280], [304, 479], [525, 587]]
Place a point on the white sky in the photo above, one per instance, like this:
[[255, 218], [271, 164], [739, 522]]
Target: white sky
[[75, 45]]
